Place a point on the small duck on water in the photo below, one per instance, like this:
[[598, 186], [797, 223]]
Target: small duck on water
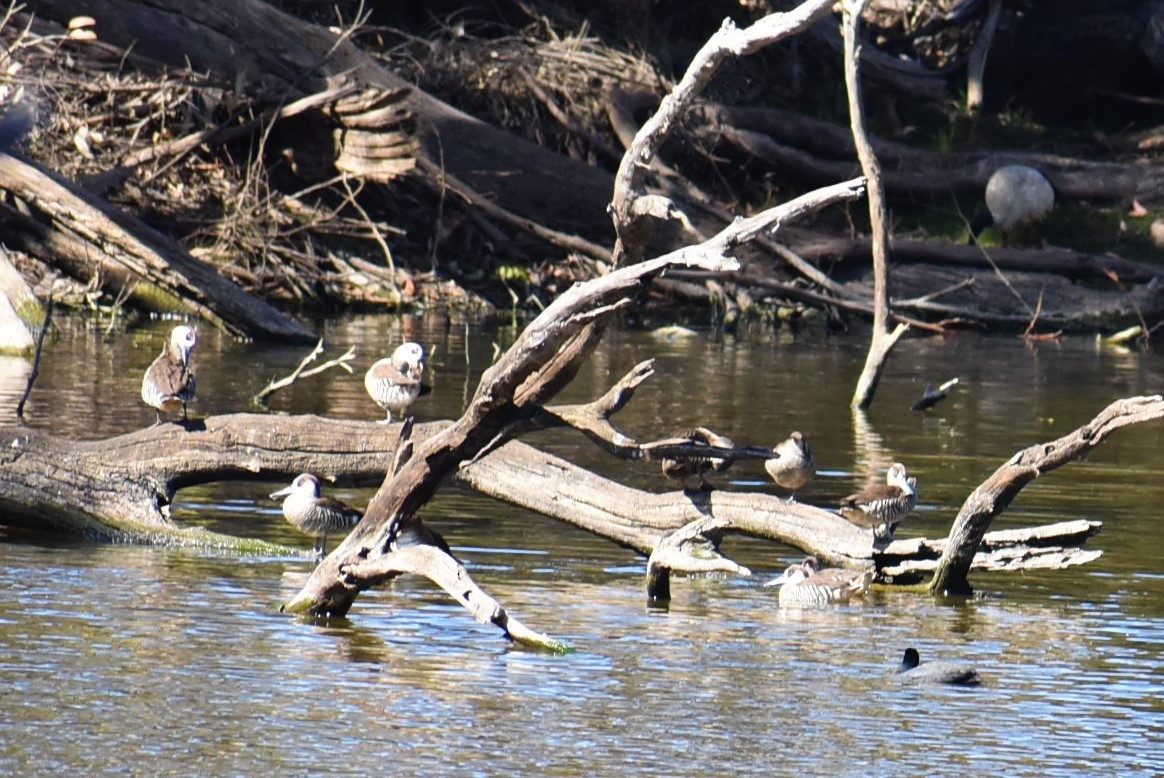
[[913, 673], [169, 383], [394, 382], [806, 584], [314, 515], [693, 471], [793, 465], [882, 506]]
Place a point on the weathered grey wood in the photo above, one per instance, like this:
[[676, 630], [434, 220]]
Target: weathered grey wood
[[996, 493], [525, 376], [19, 309], [883, 339], [72, 228]]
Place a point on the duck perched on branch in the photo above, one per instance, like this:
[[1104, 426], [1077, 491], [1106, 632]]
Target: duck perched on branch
[[169, 381], [882, 506], [693, 471], [793, 465], [394, 382]]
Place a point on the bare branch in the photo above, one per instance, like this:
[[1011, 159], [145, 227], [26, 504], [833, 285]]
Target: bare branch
[[995, 494], [729, 40], [300, 371]]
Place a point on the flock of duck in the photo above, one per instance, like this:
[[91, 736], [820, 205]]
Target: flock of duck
[[879, 507], [394, 383]]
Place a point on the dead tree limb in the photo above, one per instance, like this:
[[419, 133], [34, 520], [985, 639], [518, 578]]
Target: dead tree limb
[[66, 226], [554, 345], [996, 493], [692, 548], [632, 209], [302, 372], [883, 339]]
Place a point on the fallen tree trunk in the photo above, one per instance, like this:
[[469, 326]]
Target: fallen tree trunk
[[815, 150], [249, 40], [52, 484], [91, 238]]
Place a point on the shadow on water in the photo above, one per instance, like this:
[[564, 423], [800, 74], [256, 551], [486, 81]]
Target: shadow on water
[[175, 659]]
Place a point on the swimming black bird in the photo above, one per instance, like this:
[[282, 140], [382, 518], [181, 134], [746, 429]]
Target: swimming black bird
[[913, 673]]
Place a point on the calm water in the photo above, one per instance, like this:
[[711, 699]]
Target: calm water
[[147, 661]]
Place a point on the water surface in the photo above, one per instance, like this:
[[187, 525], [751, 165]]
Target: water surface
[[144, 661]]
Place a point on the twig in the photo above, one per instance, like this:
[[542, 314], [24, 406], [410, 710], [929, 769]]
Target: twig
[[44, 328], [1034, 315], [445, 182], [379, 238], [301, 371]]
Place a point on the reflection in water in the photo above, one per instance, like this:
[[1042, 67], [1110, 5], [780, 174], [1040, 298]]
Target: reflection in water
[[113, 656]]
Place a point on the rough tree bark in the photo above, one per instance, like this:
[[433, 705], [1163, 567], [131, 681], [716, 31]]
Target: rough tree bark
[[67, 226]]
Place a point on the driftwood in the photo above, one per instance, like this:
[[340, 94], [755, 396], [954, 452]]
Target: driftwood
[[632, 208], [18, 306], [48, 483], [63, 225], [883, 339], [291, 60], [44, 479], [817, 150], [545, 357], [997, 492]]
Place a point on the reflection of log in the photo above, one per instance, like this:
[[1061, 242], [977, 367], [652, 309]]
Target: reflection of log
[[73, 228]]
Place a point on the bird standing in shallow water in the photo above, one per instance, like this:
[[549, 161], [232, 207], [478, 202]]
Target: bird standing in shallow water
[[806, 584], [314, 515], [793, 466], [882, 505], [394, 382], [692, 471], [914, 673], [169, 382]]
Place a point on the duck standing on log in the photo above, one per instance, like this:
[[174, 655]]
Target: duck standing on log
[[806, 584], [793, 466], [692, 471], [314, 515], [169, 382], [882, 506], [394, 382]]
